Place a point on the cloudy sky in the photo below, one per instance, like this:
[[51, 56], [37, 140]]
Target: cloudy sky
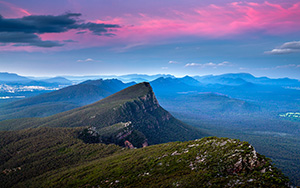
[[180, 37]]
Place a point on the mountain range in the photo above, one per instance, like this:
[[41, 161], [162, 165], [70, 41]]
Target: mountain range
[[79, 148], [125, 78], [15, 79], [231, 105], [6, 77], [243, 78]]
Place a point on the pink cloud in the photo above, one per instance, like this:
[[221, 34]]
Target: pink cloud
[[13, 11], [213, 21]]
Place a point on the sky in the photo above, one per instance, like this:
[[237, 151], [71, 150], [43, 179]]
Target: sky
[[179, 37]]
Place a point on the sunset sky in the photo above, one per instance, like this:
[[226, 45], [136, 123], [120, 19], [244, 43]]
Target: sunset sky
[[180, 37]]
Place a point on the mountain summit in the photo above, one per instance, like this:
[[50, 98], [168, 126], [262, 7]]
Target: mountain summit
[[136, 104]]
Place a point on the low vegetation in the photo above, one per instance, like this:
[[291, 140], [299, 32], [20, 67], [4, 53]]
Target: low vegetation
[[55, 157], [26, 154]]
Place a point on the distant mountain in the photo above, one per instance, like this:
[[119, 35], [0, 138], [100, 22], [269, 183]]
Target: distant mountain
[[243, 78], [56, 157], [125, 78], [190, 81], [49, 82], [220, 80], [60, 80], [142, 77], [62, 100], [270, 96], [136, 104], [234, 76], [187, 95], [78, 79], [282, 82], [13, 78], [170, 86]]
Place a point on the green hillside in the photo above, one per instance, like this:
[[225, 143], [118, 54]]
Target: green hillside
[[55, 157], [29, 153], [136, 104]]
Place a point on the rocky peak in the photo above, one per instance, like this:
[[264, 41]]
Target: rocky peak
[[146, 101], [149, 102]]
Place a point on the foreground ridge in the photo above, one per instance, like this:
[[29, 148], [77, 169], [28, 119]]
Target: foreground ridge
[[66, 161]]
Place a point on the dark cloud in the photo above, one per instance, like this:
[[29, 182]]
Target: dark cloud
[[26, 39], [81, 32], [69, 40], [39, 23], [25, 31], [97, 29], [286, 48]]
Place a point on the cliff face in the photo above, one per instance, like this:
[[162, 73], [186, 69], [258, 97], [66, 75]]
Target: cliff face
[[157, 124], [150, 100], [145, 109]]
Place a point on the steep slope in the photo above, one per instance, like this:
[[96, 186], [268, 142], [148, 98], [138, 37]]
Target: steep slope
[[59, 159], [136, 104], [62, 100]]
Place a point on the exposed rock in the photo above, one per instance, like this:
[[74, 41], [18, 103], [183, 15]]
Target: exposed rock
[[8, 170], [128, 145], [145, 144]]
